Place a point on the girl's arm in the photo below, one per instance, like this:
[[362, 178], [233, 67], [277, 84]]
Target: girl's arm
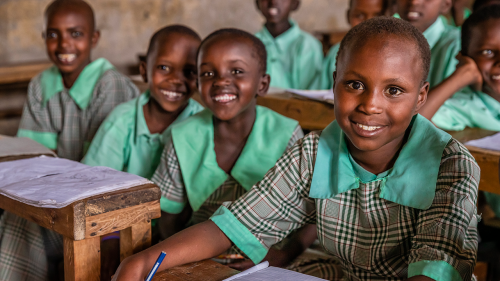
[[199, 242]]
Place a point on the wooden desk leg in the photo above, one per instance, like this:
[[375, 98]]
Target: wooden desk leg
[[135, 239], [82, 259]]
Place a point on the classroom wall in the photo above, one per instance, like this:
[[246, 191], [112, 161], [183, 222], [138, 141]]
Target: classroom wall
[[126, 25]]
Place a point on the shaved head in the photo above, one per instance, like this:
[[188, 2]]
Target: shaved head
[[75, 6]]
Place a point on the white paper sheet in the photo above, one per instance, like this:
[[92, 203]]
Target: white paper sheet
[[491, 142], [264, 272], [55, 183], [320, 95]]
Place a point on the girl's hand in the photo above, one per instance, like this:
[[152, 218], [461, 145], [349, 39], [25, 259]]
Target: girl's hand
[[129, 270], [469, 73]]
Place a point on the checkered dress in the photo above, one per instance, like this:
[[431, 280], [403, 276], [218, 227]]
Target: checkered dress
[[25, 247], [373, 238]]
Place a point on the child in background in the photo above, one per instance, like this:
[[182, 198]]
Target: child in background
[[294, 57], [358, 12], [65, 106], [133, 136], [388, 209], [443, 39], [470, 97]]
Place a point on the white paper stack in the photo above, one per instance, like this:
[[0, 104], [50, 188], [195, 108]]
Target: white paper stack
[[264, 272], [320, 95], [491, 142], [55, 183]]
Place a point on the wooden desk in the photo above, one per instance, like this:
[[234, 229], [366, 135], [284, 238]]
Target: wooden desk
[[21, 73], [83, 222], [312, 115], [206, 270]]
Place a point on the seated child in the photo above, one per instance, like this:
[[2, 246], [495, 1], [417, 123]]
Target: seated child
[[392, 196], [66, 104], [443, 39], [133, 136], [358, 12], [294, 57], [470, 97], [218, 154]]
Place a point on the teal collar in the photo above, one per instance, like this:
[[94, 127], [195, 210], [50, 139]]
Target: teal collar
[[434, 32], [283, 40], [194, 145], [82, 89], [412, 180]]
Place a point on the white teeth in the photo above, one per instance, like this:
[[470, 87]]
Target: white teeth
[[66, 57], [172, 95], [413, 15], [368, 128], [224, 98], [495, 77], [273, 11]]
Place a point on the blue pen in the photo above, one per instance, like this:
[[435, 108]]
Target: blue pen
[[155, 267]]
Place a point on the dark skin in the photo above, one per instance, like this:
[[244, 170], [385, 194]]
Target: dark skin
[[277, 13], [387, 83], [361, 10], [422, 13], [69, 37]]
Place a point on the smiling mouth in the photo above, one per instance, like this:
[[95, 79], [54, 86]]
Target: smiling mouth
[[368, 128], [66, 58], [413, 15], [225, 98], [273, 11], [495, 77], [173, 96]]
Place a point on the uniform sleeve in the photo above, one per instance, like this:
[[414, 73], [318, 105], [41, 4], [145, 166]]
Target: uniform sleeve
[[108, 148], [454, 114], [307, 65], [329, 68], [275, 206], [36, 121], [296, 135], [445, 244], [169, 178]]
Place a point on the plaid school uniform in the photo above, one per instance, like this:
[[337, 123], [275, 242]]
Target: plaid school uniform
[[419, 219]]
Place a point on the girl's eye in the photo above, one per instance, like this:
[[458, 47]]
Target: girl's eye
[[236, 71], [393, 91], [487, 52], [76, 34], [51, 35], [164, 67], [207, 74], [356, 85]]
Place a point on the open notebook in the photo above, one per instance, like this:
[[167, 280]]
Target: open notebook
[[491, 142], [264, 272]]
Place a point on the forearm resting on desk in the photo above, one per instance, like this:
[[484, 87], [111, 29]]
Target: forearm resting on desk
[[199, 242]]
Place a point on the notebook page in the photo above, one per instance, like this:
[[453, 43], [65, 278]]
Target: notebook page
[[251, 270], [276, 274], [491, 142]]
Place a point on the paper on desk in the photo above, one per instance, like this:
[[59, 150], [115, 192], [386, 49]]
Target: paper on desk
[[491, 142], [10, 146], [55, 183], [263, 272], [321, 95]]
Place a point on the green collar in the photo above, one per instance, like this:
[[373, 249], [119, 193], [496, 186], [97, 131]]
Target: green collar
[[285, 39], [412, 180], [82, 89], [434, 32], [194, 145], [142, 127]]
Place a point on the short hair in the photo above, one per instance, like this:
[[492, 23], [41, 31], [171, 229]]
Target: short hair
[[483, 14], [168, 30], [478, 4], [79, 4], [257, 45], [375, 27]]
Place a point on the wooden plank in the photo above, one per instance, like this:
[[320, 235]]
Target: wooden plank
[[82, 259], [312, 115], [21, 73], [481, 271], [489, 162], [108, 222], [135, 239], [206, 270]]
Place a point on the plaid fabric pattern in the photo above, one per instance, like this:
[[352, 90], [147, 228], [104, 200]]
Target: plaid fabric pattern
[[169, 178], [373, 238], [62, 116]]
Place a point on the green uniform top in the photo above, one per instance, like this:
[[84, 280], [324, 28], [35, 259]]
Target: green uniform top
[[123, 142], [418, 218], [468, 108], [294, 58], [329, 67], [66, 120], [451, 21]]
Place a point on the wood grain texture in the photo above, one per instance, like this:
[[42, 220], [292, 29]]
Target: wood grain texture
[[21, 73], [82, 259], [135, 239], [312, 115], [206, 270], [108, 222]]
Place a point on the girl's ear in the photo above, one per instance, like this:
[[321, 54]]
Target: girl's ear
[[264, 82], [445, 6], [95, 38], [422, 96], [295, 5], [143, 70]]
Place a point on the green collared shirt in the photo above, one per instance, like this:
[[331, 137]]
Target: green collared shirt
[[66, 120], [468, 108], [376, 232], [123, 142], [294, 58]]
